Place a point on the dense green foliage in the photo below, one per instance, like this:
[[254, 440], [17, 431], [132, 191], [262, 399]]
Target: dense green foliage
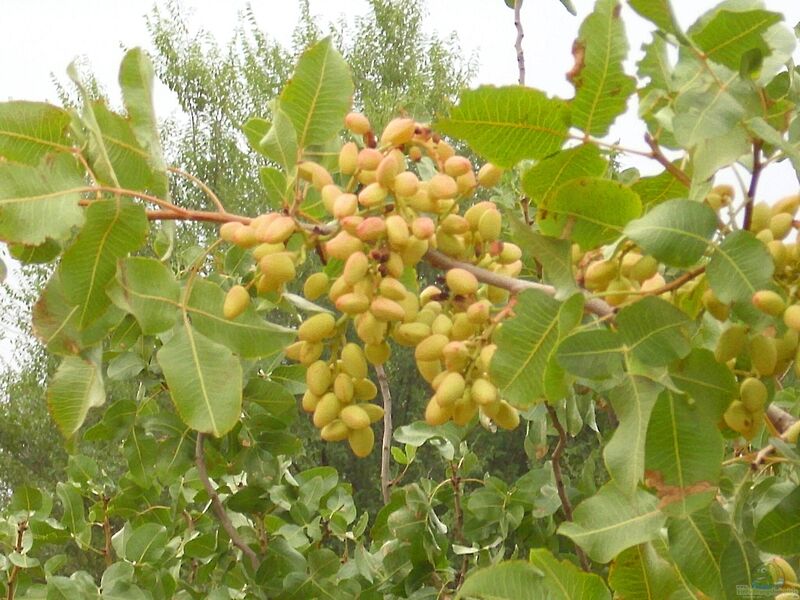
[[647, 360]]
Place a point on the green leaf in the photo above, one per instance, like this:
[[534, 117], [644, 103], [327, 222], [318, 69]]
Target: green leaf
[[40, 202], [280, 142], [594, 354], [609, 522], [564, 580], [676, 232], [710, 384], [589, 211], [31, 130], [248, 335], [508, 580], [319, 94], [658, 12], [729, 34], [74, 517], [254, 129], [129, 161], [146, 544], [76, 387], [639, 573], [113, 229], [141, 453], [696, 543], [554, 255], [55, 320], [146, 289], [569, 6], [778, 530], [26, 498], [43, 253], [684, 455], [543, 179], [659, 188], [507, 124], [136, 80], [655, 332], [624, 454], [523, 367], [204, 379], [601, 86], [740, 266], [705, 111], [275, 185]]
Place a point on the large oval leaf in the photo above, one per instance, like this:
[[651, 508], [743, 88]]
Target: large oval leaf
[[589, 211], [318, 95], [740, 266], [204, 379], [507, 124], [676, 232], [610, 521], [523, 367]]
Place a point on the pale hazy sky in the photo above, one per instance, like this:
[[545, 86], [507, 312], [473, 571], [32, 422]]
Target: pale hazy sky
[[40, 37]]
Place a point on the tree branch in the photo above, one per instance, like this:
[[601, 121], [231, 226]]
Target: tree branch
[[437, 259], [566, 505], [518, 44], [199, 183], [751, 191], [655, 152], [22, 527], [107, 547], [386, 444], [216, 504]]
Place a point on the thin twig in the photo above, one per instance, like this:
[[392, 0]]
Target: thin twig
[[386, 444], [751, 191], [782, 421], [196, 215], [665, 162], [458, 525], [566, 505], [107, 547], [206, 190], [216, 504], [22, 527], [518, 44], [675, 283], [441, 261]]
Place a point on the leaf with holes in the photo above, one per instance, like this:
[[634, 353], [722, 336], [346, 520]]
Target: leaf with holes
[[602, 88], [684, 453], [624, 455]]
